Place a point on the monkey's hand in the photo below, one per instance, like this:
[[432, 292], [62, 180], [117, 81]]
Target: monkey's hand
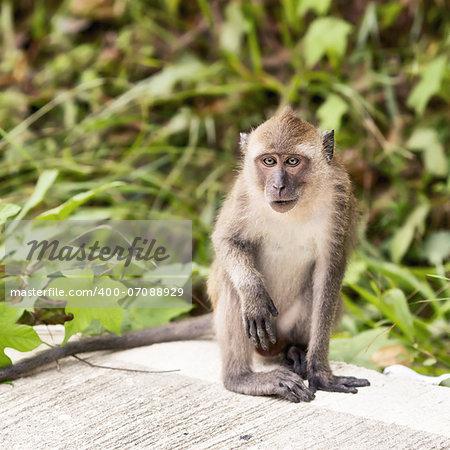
[[257, 320], [326, 381]]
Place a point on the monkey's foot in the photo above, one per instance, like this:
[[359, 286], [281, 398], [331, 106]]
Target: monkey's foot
[[281, 382], [291, 387], [328, 382], [296, 361]]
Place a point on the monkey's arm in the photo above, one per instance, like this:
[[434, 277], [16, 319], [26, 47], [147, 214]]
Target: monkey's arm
[[193, 328], [238, 259]]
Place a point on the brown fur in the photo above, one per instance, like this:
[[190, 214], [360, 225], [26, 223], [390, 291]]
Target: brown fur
[[284, 131], [278, 270]]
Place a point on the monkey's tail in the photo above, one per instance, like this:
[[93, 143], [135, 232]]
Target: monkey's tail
[[193, 328]]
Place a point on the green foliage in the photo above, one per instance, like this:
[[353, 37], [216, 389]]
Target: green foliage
[[134, 112], [109, 318], [19, 337], [386, 288], [331, 112], [429, 84], [46, 179], [326, 36], [395, 307], [437, 247], [427, 141], [319, 6], [68, 207], [7, 210], [138, 318], [360, 348], [234, 29], [404, 235]]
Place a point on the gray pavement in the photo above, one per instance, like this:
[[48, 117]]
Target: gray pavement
[[75, 406]]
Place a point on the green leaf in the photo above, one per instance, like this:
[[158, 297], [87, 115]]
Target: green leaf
[[359, 349], [368, 26], [389, 13], [66, 284], [107, 291], [331, 111], [402, 276], [355, 270], [403, 236], [429, 85], [326, 35], [437, 247], [114, 286], [395, 307], [163, 82], [64, 210], [7, 210], [427, 141], [366, 295], [46, 179], [234, 29], [319, 6], [109, 318], [138, 318], [18, 337]]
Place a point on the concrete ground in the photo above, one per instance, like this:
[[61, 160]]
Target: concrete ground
[[76, 406]]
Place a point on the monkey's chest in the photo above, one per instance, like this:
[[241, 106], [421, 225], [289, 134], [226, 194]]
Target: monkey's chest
[[285, 264]]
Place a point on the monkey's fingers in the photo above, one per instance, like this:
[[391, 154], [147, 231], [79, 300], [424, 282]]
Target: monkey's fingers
[[289, 395], [337, 384], [292, 387], [304, 394], [254, 333], [335, 387], [352, 381], [331, 387], [260, 329], [270, 331]]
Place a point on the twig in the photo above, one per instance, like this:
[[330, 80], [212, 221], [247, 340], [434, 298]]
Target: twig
[[122, 368]]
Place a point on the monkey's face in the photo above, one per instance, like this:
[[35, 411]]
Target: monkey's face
[[287, 160], [282, 177]]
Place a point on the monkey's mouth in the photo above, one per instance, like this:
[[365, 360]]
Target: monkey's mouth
[[284, 202], [283, 205]]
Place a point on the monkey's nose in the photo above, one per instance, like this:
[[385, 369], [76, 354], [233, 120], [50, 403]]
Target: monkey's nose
[[278, 187]]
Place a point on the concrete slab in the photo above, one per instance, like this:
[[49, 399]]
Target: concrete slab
[[81, 407]]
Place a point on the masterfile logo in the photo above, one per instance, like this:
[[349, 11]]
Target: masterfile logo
[[100, 264], [54, 251]]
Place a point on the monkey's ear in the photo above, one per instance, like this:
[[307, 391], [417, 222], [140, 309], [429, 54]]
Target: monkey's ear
[[328, 144], [243, 141]]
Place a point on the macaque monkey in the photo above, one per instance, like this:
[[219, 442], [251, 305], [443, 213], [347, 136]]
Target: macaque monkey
[[282, 241]]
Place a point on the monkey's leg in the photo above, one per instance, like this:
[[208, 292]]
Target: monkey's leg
[[327, 283], [296, 360], [237, 351]]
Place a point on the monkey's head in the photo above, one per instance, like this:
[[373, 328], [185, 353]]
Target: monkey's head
[[287, 159]]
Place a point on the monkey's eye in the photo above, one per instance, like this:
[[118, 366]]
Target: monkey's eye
[[269, 161], [292, 161]]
